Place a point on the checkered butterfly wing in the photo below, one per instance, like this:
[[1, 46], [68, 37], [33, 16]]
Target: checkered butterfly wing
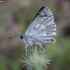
[[43, 26]]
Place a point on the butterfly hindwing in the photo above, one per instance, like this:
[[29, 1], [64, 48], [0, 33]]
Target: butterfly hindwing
[[43, 26]]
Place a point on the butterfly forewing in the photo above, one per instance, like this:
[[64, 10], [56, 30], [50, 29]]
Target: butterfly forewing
[[43, 26]]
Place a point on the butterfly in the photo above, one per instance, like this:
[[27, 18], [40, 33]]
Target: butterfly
[[42, 29]]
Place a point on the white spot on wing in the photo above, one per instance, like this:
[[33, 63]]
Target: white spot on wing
[[53, 26], [54, 29], [50, 23], [42, 13], [54, 33], [37, 26], [42, 26]]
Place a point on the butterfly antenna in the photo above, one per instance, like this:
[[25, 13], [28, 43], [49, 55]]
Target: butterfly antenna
[[12, 37]]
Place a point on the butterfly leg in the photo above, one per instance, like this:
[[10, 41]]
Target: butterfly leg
[[39, 46], [42, 47], [32, 48], [26, 49]]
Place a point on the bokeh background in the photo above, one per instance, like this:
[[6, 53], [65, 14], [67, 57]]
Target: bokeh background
[[16, 15]]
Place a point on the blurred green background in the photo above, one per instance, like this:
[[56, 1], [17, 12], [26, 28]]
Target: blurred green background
[[16, 15]]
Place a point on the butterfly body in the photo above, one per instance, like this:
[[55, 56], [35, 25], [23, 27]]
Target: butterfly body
[[30, 41], [42, 29]]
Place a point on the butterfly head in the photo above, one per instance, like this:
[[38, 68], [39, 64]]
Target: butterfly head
[[21, 36]]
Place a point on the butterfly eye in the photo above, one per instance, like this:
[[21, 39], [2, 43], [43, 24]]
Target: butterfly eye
[[21, 36]]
